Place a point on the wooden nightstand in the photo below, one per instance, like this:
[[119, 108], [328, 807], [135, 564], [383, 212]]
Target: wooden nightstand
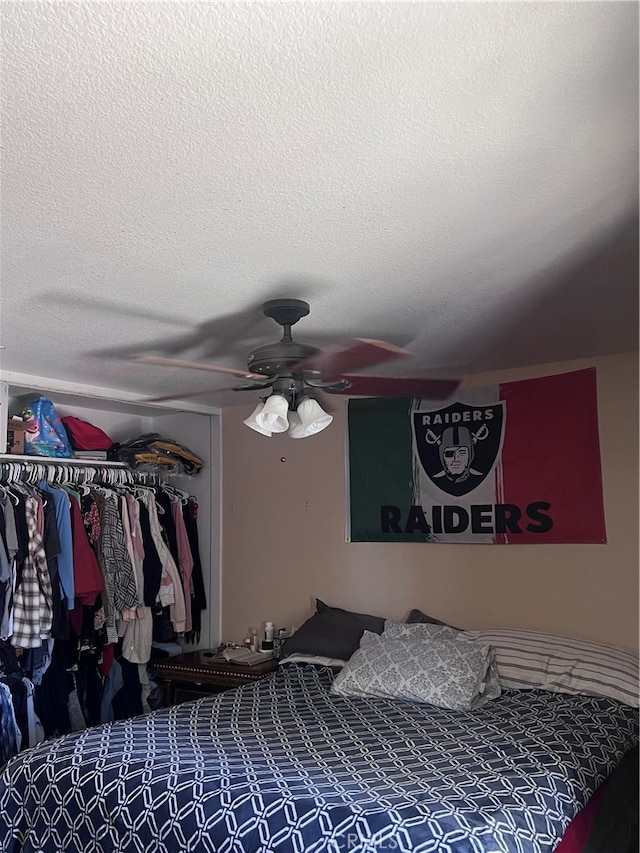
[[197, 674]]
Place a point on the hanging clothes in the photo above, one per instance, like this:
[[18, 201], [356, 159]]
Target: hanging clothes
[[117, 571], [197, 590], [8, 549], [185, 558], [21, 691], [65, 553], [83, 568], [88, 580], [10, 734], [32, 598], [51, 540], [136, 625], [171, 593]]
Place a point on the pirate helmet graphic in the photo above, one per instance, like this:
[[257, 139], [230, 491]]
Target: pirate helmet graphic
[[459, 444], [456, 452]]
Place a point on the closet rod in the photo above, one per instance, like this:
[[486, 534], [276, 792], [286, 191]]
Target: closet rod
[[90, 468], [54, 460]]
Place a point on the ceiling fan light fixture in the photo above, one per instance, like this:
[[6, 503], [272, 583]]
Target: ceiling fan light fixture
[[293, 370], [273, 416], [252, 421], [312, 419], [295, 428]]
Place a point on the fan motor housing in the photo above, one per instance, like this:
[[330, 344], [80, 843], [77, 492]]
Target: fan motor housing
[[280, 357]]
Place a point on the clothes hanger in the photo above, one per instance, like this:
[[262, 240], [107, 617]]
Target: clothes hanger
[[15, 499], [170, 489], [102, 489], [9, 473]]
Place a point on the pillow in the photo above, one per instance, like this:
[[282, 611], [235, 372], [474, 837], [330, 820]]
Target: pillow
[[447, 672], [530, 660], [418, 616], [419, 630], [319, 660], [431, 630], [332, 632]]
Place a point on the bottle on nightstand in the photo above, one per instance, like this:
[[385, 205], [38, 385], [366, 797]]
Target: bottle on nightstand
[[267, 643], [253, 634]]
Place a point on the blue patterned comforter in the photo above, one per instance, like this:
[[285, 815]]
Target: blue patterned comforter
[[285, 765]]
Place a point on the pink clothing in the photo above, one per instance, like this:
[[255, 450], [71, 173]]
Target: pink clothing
[[185, 559]]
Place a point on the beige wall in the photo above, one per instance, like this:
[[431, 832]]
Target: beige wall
[[284, 538]]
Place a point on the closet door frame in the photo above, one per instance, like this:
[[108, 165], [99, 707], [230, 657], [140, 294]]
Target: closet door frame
[[125, 414]]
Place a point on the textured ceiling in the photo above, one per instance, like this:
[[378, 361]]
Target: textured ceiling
[[460, 176]]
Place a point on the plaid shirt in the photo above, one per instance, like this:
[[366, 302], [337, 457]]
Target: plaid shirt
[[33, 599], [119, 580]]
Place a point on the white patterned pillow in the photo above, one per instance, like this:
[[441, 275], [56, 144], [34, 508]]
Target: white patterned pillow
[[529, 660], [441, 671], [433, 630], [424, 630]]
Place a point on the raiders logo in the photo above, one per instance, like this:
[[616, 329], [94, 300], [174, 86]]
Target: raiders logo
[[458, 446]]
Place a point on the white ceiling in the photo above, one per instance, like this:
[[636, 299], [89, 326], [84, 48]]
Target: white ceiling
[[460, 176]]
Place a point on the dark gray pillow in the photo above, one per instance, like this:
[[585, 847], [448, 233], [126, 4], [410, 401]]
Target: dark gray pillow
[[416, 616], [332, 632]]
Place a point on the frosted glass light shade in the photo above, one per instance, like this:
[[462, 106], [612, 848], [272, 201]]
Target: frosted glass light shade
[[252, 422], [295, 428], [273, 416], [313, 419]]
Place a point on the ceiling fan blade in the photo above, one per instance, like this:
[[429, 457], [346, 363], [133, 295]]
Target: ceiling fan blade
[[391, 386], [182, 395], [356, 355], [94, 304], [197, 365]]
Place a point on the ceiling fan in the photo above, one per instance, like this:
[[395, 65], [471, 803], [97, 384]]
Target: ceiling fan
[[294, 370]]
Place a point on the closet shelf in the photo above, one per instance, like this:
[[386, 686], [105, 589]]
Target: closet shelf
[[53, 460]]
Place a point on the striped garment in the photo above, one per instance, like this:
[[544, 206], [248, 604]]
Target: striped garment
[[120, 584], [33, 597], [529, 660]]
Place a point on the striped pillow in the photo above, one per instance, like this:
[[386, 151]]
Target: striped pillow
[[529, 660]]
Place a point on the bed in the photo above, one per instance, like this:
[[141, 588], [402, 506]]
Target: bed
[[290, 764]]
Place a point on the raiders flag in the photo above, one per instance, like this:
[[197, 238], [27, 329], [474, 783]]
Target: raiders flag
[[504, 464]]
